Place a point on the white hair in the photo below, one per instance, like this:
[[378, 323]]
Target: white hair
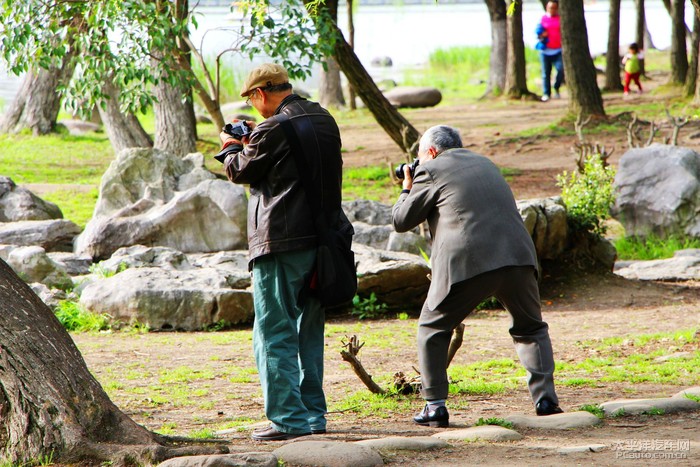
[[440, 137]]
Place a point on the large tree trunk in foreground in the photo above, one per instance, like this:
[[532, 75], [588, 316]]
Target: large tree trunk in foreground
[[50, 404], [499, 46], [584, 94], [516, 78], [612, 58], [679, 51], [123, 131]]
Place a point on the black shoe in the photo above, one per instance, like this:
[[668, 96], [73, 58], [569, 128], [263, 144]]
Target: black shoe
[[271, 434], [438, 418], [322, 431], [547, 407]]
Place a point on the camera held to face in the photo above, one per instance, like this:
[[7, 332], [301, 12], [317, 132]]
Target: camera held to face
[[238, 129], [412, 168]]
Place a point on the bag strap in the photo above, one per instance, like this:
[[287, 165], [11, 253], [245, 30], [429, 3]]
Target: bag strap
[[302, 166]]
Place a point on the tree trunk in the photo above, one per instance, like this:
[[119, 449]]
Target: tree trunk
[[123, 131], [351, 41], [50, 404], [584, 94], [516, 79], [612, 58], [692, 76], [679, 53], [176, 127], [499, 46], [639, 32], [38, 102], [330, 92]]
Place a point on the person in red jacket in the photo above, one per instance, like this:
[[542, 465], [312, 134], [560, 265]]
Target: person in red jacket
[[549, 35]]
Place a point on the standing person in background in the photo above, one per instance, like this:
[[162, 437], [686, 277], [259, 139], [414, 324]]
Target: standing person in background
[[549, 45], [632, 67], [288, 334]]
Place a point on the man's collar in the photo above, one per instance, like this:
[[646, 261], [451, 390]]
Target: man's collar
[[287, 100]]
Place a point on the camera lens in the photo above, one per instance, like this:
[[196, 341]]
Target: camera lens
[[399, 172]]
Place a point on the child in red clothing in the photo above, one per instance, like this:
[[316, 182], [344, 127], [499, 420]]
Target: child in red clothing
[[632, 68]]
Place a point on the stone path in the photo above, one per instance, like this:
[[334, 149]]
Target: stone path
[[368, 453]]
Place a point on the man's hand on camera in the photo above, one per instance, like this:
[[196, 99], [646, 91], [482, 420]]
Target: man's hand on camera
[[228, 140], [407, 178]]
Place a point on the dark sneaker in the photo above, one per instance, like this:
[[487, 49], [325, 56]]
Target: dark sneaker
[[272, 434], [547, 407], [439, 418]]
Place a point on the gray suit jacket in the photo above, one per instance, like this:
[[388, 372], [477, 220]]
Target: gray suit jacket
[[473, 219]]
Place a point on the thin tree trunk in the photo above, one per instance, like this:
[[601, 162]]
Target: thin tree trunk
[[123, 131], [639, 30], [330, 93], [351, 40], [50, 404], [584, 94], [499, 46], [679, 53], [516, 79], [692, 76], [612, 58]]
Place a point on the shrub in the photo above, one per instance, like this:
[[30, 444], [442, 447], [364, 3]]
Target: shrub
[[589, 195], [367, 307], [74, 318]]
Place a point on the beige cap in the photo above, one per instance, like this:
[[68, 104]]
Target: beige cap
[[267, 74]]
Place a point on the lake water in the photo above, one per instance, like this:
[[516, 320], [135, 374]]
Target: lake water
[[408, 34]]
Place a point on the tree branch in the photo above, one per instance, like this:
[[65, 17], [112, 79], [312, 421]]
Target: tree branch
[[353, 347]]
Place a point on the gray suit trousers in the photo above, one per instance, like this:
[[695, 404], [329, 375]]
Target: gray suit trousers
[[516, 288]]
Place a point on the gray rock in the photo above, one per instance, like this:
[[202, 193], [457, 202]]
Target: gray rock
[[171, 300], [79, 127], [228, 260], [562, 421], [584, 448], [73, 264], [384, 62], [51, 297], [639, 406], [33, 265], [658, 191], [403, 443], [52, 235], [230, 109], [545, 221], [209, 217], [248, 459], [328, 454], [396, 278], [694, 391], [685, 265], [369, 212], [409, 242], [413, 96], [375, 236], [20, 204], [5, 251], [139, 256], [480, 433]]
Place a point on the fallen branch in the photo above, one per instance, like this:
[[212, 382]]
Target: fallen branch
[[353, 347], [455, 343]]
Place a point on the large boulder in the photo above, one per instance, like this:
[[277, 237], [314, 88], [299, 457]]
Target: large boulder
[[20, 204], [33, 265], [545, 221], [411, 96], [52, 235], [369, 212], [167, 299], [658, 191], [149, 197]]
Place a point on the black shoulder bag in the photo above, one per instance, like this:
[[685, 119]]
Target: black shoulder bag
[[336, 276]]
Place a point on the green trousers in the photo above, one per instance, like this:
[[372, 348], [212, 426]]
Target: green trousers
[[288, 342]]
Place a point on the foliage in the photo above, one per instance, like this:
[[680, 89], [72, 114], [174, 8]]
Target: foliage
[[494, 421], [373, 183], [588, 196], [594, 409], [653, 247], [220, 325], [101, 271], [368, 307], [74, 318], [136, 44]]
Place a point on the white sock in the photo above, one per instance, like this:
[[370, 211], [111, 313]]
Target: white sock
[[433, 405]]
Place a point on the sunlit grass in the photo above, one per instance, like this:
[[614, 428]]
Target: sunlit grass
[[653, 247]]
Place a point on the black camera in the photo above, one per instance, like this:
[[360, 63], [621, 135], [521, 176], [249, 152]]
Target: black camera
[[238, 129], [412, 168]]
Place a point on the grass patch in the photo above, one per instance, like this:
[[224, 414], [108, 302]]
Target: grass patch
[[75, 318], [653, 247], [366, 404], [184, 374], [494, 421], [579, 382], [372, 183], [594, 409]]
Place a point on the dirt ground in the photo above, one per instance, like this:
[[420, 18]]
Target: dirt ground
[[577, 308]]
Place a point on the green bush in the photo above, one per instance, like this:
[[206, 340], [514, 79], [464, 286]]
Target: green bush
[[74, 318], [370, 307], [589, 195], [653, 247]]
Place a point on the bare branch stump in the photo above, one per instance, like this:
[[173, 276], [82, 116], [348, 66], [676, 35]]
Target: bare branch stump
[[353, 347]]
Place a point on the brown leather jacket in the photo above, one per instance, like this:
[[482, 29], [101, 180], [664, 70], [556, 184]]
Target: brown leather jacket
[[279, 217]]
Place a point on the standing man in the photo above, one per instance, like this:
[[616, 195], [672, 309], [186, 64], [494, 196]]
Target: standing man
[[549, 45], [288, 328], [480, 249]]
